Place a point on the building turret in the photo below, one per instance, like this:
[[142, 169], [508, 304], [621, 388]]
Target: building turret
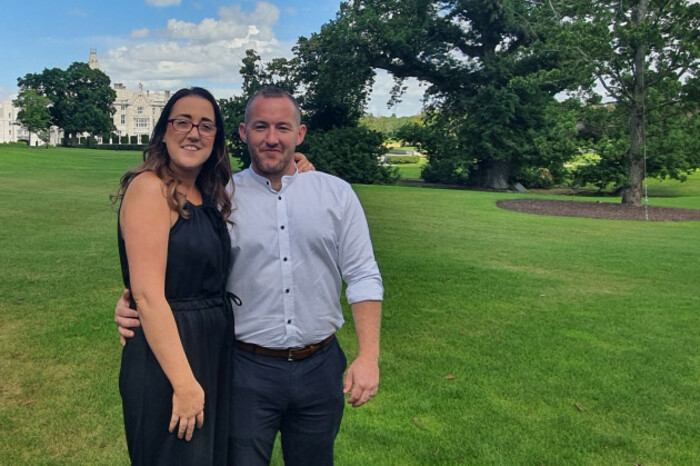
[[92, 61]]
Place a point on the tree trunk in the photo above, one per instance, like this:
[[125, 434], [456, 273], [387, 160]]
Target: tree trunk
[[632, 194], [493, 174]]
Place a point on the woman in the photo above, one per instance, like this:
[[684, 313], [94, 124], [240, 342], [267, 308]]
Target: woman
[[175, 254]]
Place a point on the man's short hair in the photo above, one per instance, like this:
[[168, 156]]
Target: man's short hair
[[272, 92]]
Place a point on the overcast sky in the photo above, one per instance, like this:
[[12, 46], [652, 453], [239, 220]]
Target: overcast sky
[[166, 44]]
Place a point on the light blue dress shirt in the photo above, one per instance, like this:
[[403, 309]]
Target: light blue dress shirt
[[291, 251]]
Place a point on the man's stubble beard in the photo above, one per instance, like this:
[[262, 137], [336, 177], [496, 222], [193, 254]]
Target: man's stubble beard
[[277, 169]]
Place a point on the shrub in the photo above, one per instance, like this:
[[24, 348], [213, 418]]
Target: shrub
[[70, 142], [89, 142], [351, 153], [137, 147], [402, 159], [536, 178]]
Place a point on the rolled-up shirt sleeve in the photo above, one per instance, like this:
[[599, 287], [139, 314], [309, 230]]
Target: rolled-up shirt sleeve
[[358, 266]]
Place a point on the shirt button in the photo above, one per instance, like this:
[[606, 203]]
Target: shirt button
[[289, 321], [285, 259], [279, 197], [287, 290], [282, 227]]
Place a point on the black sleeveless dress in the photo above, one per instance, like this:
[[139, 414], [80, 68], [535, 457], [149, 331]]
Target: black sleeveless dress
[[195, 287]]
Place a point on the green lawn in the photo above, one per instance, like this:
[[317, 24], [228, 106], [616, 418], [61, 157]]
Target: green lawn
[[507, 338], [675, 193], [411, 171]]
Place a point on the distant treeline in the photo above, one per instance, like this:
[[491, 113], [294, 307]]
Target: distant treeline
[[388, 126]]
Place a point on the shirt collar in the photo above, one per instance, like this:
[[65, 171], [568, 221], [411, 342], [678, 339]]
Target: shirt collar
[[286, 179]]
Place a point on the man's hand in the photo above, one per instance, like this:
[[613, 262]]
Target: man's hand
[[125, 317], [361, 381]]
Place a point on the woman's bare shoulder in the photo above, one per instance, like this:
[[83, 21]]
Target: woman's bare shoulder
[[145, 183], [147, 190]]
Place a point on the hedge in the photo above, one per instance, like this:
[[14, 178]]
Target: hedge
[[138, 147], [401, 159]]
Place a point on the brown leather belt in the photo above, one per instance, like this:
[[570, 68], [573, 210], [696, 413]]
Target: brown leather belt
[[291, 354]]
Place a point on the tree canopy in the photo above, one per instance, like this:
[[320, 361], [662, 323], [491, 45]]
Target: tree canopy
[[492, 75], [81, 98], [34, 111], [336, 79]]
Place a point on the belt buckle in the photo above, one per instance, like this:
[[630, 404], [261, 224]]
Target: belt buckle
[[289, 355]]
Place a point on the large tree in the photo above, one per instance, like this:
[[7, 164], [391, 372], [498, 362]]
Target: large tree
[[81, 98], [492, 75], [335, 75], [672, 143], [92, 100], [645, 54], [34, 112]]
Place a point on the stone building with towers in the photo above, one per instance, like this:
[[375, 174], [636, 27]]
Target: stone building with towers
[[136, 113]]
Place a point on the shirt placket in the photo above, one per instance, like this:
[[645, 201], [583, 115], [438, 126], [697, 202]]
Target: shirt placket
[[286, 267]]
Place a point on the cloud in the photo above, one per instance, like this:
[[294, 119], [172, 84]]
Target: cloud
[[7, 93], [264, 14], [139, 33], [207, 53], [207, 31], [411, 101], [163, 2]]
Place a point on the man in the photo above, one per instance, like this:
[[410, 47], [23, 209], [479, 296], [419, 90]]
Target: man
[[296, 237]]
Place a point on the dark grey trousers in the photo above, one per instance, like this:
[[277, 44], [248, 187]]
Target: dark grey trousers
[[303, 400]]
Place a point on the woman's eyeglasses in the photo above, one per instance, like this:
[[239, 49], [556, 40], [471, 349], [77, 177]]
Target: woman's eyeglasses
[[206, 129]]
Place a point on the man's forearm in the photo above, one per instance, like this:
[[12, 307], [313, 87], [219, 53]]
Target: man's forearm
[[367, 316]]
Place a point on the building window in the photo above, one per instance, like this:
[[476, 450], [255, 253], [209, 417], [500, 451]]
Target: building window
[[139, 110], [123, 119], [123, 107], [141, 122]]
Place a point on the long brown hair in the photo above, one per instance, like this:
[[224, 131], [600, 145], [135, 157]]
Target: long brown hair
[[212, 179]]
